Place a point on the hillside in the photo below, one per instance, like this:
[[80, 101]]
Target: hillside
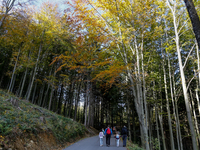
[[27, 126]]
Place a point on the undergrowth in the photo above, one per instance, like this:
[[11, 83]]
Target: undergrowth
[[27, 119], [131, 146]]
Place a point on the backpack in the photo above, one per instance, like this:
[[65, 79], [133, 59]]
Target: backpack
[[108, 131]]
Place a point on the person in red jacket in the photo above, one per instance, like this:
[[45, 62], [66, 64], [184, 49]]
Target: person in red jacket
[[108, 133]]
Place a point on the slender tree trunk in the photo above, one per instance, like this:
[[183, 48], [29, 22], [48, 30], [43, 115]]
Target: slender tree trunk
[[129, 124], [150, 127], [41, 94], [86, 100], [11, 82], [36, 65], [24, 79], [33, 98], [197, 97], [157, 127], [174, 111], [20, 84], [156, 113], [134, 126], [178, 122], [160, 116], [144, 86], [183, 81], [51, 97], [168, 109], [195, 118], [11, 90], [89, 104], [60, 100], [83, 117], [77, 99], [52, 89], [198, 81], [71, 99], [31, 74]]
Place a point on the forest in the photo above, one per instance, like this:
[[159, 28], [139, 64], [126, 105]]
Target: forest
[[108, 62]]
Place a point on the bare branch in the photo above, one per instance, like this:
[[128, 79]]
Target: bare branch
[[183, 25], [188, 55], [190, 82]]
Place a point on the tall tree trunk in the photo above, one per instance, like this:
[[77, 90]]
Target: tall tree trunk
[[194, 19], [24, 79], [174, 111], [60, 100], [129, 124], [52, 89], [183, 81], [195, 118], [157, 127], [27, 91], [71, 99], [198, 81], [89, 104], [36, 65], [14, 69], [77, 99], [41, 94], [178, 122], [33, 98], [160, 117], [134, 126], [156, 114], [86, 100], [20, 84], [168, 108], [11, 90]]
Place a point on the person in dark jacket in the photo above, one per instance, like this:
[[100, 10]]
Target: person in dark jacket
[[108, 133], [124, 134]]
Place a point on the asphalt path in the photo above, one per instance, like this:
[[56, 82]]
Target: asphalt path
[[93, 143]]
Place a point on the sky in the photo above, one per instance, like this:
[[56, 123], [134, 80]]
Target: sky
[[59, 2]]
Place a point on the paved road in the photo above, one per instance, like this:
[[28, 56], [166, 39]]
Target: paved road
[[93, 143]]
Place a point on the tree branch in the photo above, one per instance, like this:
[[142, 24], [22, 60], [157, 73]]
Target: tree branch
[[188, 55]]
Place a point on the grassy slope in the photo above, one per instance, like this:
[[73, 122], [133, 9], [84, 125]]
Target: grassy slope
[[31, 119], [131, 146]]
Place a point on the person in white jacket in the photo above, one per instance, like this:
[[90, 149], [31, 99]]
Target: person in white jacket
[[101, 135]]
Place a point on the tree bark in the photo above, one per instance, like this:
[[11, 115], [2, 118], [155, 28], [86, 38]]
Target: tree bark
[[33, 98], [174, 109], [36, 65], [183, 81], [195, 118], [168, 108], [24, 79], [194, 19], [14, 69]]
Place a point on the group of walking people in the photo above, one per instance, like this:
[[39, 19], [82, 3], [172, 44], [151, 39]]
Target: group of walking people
[[108, 132]]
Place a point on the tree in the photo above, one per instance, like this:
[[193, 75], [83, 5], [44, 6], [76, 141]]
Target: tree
[[194, 19]]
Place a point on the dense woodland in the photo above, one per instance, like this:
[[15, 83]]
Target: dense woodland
[[130, 62]]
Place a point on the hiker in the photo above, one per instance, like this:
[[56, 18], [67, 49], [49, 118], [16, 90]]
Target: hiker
[[114, 131], [101, 135], [124, 134], [108, 133], [117, 138]]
